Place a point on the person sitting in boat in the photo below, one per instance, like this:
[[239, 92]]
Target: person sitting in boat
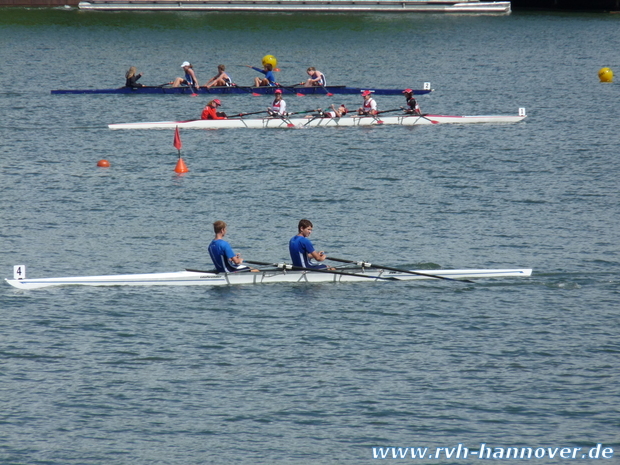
[[190, 78], [222, 255], [316, 78], [131, 78], [369, 107], [268, 80], [412, 105], [210, 110], [222, 79], [278, 107], [335, 113], [301, 249]]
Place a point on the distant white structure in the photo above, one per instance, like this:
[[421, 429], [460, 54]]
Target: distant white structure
[[409, 6]]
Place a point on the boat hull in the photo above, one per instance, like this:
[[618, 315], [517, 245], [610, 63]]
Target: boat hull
[[196, 278], [336, 6], [294, 90], [347, 121]]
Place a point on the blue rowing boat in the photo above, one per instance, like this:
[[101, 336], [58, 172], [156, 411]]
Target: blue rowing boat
[[336, 90]]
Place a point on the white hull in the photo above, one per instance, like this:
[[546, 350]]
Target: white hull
[[336, 6], [195, 278], [278, 123]]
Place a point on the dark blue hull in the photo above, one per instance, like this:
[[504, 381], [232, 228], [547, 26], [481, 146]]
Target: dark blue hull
[[337, 90]]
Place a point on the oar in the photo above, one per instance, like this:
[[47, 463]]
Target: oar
[[389, 111], [375, 116], [432, 121], [283, 118], [329, 94], [194, 91], [292, 89], [217, 272], [421, 116], [246, 114], [302, 112], [287, 121], [368, 265], [285, 266]]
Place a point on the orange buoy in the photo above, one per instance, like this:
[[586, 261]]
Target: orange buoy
[[181, 167], [103, 164]]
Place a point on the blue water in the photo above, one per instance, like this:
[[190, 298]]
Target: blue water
[[301, 374]]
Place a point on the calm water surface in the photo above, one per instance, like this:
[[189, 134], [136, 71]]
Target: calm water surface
[[301, 374]]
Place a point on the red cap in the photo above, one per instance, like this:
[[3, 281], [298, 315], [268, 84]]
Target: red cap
[[217, 101], [278, 91], [407, 91], [365, 93]]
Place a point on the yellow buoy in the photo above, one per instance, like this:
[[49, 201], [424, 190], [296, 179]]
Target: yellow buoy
[[270, 59], [605, 75]]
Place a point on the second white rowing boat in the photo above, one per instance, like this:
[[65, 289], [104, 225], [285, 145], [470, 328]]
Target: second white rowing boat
[[346, 121]]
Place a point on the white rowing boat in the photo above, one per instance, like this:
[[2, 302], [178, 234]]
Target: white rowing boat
[[345, 121], [276, 275]]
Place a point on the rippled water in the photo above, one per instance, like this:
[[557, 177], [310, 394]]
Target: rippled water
[[309, 373]]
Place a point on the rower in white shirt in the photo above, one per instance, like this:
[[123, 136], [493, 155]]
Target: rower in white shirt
[[278, 107], [369, 107]]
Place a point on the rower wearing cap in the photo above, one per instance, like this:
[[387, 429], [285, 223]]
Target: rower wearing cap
[[369, 107], [278, 107], [414, 108], [210, 110], [190, 76]]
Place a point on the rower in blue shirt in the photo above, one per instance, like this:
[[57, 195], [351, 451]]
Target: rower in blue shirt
[[189, 79], [268, 80], [222, 255], [301, 249]]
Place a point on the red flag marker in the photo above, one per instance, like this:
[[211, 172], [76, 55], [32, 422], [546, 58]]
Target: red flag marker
[[181, 167], [177, 139]]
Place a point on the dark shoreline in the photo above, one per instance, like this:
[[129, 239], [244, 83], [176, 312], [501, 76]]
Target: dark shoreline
[[517, 5]]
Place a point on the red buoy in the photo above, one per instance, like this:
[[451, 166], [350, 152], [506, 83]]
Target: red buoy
[[181, 167], [103, 164]]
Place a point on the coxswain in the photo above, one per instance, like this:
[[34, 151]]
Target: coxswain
[[369, 107], [210, 110], [131, 78], [334, 112], [278, 107], [412, 105]]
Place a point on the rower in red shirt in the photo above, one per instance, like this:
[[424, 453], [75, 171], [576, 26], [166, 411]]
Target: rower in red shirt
[[210, 110]]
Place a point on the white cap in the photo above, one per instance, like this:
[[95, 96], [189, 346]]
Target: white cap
[[185, 63]]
